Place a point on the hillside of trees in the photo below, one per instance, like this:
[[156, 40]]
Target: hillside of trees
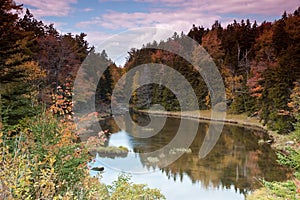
[[259, 64], [39, 65]]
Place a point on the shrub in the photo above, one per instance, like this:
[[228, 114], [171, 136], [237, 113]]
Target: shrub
[[123, 189], [42, 161]]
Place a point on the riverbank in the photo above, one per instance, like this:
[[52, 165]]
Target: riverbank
[[279, 141], [288, 144], [240, 119]]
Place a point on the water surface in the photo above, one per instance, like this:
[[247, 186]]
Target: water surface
[[230, 171]]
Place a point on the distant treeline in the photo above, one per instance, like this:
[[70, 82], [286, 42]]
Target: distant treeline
[[259, 64]]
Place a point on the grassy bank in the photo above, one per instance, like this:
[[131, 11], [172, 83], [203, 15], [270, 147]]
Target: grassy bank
[[238, 119]]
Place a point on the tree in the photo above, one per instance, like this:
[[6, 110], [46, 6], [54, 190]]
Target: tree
[[213, 45], [30, 24], [20, 75], [280, 37], [7, 20], [294, 104], [274, 70], [57, 55], [196, 33], [60, 56], [264, 58], [274, 99]]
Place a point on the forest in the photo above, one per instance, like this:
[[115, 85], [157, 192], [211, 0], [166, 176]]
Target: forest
[[259, 65]]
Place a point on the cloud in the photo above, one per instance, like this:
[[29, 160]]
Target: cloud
[[181, 20], [112, 0], [162, 1], [264, 7], [97, 36], [181, 14], [42, 8], [88, 9], [117, 46]]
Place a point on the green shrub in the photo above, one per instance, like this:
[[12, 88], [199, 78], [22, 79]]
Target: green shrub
[[282, 190], [291, 160], [123, 189]]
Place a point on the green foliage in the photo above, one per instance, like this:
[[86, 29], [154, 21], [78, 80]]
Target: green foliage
[[282, 190], [289, 189], [242, 103], [123, 189], [291, 160]]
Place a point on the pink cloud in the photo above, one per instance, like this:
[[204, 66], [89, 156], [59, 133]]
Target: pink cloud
[[88, 9], [177, 21], [42, 8], [265, 7], [181, 14], [112, 0]]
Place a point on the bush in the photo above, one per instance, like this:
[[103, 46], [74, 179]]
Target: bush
[[123, 189], [282, 190], [42, 161], [292, 160]]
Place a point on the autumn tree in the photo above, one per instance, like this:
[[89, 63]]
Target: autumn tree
[[213, 45], [60, 56], [274, 71]]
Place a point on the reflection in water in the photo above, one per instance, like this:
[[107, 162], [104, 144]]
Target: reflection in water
[[231, 169]]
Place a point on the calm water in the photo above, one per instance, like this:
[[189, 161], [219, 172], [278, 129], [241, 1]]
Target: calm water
[[230, 171]]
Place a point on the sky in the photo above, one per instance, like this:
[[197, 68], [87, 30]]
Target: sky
[[103, 20]]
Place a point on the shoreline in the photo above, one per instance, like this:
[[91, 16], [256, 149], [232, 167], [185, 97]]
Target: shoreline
[[246, 122], [279, 141]]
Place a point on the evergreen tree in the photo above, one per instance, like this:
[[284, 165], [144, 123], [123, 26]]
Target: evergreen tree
[[20, 75]]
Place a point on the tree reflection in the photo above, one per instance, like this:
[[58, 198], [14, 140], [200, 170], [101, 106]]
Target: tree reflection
[[236, 160]]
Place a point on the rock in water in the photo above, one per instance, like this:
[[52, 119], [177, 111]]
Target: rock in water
[[98, 169]]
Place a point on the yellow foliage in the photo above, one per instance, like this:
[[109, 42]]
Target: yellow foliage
[[295, 98], [24, 175]]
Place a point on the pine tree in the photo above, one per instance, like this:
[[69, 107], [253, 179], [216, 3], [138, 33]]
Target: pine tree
[[20, 75]]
